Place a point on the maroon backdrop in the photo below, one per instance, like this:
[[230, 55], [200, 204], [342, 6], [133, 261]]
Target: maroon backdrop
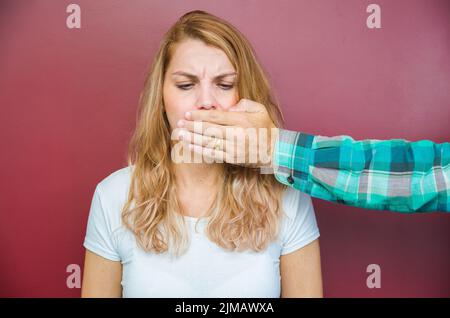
[[69, 96]]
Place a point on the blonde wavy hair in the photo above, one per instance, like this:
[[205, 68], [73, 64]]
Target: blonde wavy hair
[[238, 221]]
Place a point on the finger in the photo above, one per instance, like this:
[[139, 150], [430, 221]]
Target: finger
[[214, 155], [204, 128], [246, 105], [216, 117], [231, 135], [230, 151], [208, 154], [204, 141]]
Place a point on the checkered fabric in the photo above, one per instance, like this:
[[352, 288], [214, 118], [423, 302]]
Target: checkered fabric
[[396, 175]]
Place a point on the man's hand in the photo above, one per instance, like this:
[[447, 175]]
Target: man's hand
[[243, 135]]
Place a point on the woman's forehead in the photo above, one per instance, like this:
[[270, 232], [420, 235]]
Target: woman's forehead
[[196, 57]]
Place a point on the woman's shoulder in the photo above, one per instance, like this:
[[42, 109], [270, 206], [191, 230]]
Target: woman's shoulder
[[295, 201], [115, 181], [113, 191], [299, 227], [104, 233]]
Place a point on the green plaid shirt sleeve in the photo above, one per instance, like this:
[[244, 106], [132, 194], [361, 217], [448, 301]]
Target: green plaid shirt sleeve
[[396, 174]]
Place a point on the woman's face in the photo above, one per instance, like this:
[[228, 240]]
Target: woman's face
[[198, 77]]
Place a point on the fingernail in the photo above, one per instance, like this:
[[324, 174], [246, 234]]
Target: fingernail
[[180, 123], [181, 135], [188, 115]]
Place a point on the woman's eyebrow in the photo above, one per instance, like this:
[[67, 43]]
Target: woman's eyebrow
[[192, 76]]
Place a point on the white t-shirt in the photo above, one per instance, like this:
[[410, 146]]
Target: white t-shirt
[[205, 270]]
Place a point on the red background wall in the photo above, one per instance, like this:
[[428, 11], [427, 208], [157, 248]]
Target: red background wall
[[68, 101]]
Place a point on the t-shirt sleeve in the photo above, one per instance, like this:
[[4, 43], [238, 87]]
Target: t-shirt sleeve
[[300, 227], [99, 235]]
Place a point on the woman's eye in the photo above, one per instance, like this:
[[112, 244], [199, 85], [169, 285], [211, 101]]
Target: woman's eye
[[189, 86], [185, 86], [225, 86]]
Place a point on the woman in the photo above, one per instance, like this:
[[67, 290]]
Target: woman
[[162, 229]]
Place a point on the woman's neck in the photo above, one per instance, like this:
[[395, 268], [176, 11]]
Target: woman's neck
[[197, 177], [197, 187]]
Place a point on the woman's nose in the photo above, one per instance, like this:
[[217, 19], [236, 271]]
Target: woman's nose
[[206, 99], [207, 105]]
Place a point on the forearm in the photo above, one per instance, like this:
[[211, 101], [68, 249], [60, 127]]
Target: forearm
[[393, 175]]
